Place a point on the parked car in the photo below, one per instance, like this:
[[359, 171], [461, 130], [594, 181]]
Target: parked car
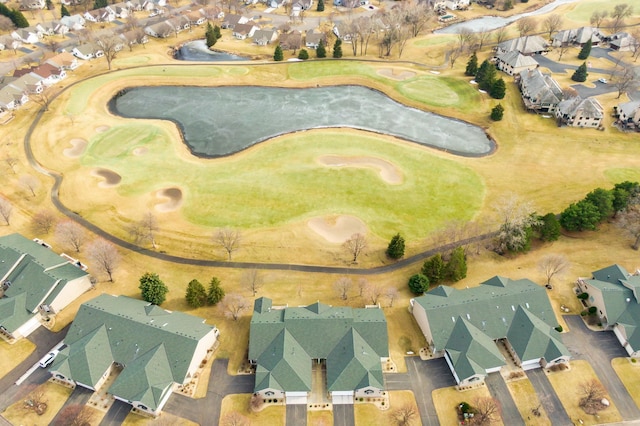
[[48, 359], [602, 80]]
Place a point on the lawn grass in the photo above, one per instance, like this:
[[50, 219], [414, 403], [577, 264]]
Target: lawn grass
[[14, 354], [527, 400], [404, 334], [441, 92], [567, 386], [239, 403], [133, 419], [319, 418], [447, 399], [369, 414], [54, 395], [629, 374], [584, 9]]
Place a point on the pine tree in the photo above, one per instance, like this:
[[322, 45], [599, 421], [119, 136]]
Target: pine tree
[[585, 51], [321, 52], [418, 284], [278, 56], [549, 229], [98, 4], [64, 11], [303, 54], [196, 294], [337, 49], [18, 19], [49, 4], [457, 265], [472, 65], [433, 268], [498, 89], [497, 112], [320, 7], [395, 250], [486, 75], [215, 292], [581, 73], [217, 32], [152, 289], [210, 36]]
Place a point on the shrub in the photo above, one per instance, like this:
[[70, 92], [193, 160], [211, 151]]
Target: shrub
[[303, 54], [558, 329], [497, 112], [418, 284], [633, 360], [592, 310], [583, 296]]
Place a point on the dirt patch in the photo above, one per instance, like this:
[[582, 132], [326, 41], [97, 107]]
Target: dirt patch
[[173, 197], [396, 74], [140, 151], [388, 171], [77, 148], [110, 177], [102, 129], [337, 229]]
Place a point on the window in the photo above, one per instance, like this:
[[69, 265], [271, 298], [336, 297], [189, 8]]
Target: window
[[368, 391], [269, 393]]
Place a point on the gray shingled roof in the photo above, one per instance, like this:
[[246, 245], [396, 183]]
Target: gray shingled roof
[[283, 342], [516, 60], [586, 108], [540, 88], [526, 45]]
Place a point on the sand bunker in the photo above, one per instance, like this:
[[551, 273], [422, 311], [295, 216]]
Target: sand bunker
[[388, 172], [110, 177], [337, 229], [173, 197], [78, 146], [140, 151], [396, 74], [102, 129]]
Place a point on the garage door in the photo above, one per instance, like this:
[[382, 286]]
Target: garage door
[[341, 399], [296, 399]]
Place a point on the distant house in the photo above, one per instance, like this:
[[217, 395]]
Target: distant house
[[87, 51], [451, 5], [344, 346], [49, 73], [265, 37], [615, 294], [527, 45], [179, 23], [64, 60], [35, 284], [29, 82], [133, 37], [474, 328], [29, 35], [290, 41], [312, 39], [74, 22], [7, 43], [629, 115], [120, 10], [302, 4], [540, 92], [196, 18], [578, 36], [149, 351], [578, 112], [104, 14], [160, 30], [515, 62], [12, 98], [623, 42], [231, 20], [244, 31], [32, 4]]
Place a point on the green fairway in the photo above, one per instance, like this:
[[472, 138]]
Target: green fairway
[[616, 175], [311, 70], [585, 8], [441, 92], [283, 182]]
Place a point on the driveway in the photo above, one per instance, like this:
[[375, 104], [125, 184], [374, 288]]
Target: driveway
[[499, 390], [343, 415], [117, 413], [599, 348], [548, 398], [79, 396], [296, 415]]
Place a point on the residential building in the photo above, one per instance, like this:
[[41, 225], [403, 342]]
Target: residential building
[[578, 36], [29, 35], [468, 327], [540, 92], [35, 284], [64, 60], [578, 112], [614, 293], [74, 22], [12, 98], [149, 350], [32, 4], [451, 5], [527, 45], [287, 345], [290, 41], [313, 38], [515, 62], [623, 42], [244, 31], [231, 20], [49, 73], [87, 51], [265, 37], [160, 30], [629, 114]]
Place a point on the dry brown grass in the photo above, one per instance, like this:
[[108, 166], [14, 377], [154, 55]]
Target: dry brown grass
[[54, 396], [446, 400], [14, 354], [133, 419], [369, 414], [239, 403], [319, 418], [527, 400], [629, 374]]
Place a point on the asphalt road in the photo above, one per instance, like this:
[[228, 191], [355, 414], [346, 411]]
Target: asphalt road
[[343, 415], [117, 413], [548, 398], [499, 390]]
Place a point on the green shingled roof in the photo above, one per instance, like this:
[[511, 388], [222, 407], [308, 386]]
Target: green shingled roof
[[472, 351], [153, 345], [531, 338], [284, 340]]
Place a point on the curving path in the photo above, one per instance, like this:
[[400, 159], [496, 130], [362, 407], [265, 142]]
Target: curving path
[[55, 199]]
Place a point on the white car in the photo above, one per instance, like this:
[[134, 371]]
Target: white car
[[48, 359], [602, 80]]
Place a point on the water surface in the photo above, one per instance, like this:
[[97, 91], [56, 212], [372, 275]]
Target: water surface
[[197, 50]]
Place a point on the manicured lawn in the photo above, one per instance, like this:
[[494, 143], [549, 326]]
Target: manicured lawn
[[441, 92], [165, 419], [527, 400], [319, 418], [584, 9], [629, 374], [567, 386], [14, 354], [369, 414], [54, 396], [239, 403], [447, 399], [314, 70]]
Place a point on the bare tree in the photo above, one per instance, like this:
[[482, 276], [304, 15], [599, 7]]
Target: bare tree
[[373, 293], [526, 26], [405, 415], [625, 81], [482, 37], [564, 48], [43, 221], [228, 239], [552, 24], [591, 393], [110, 46], [36, 401], [342, 287], [620, 12], [252, 280], [634, 45], [501, 34], [71, 234], [11, 161], [598, 17], [362, 286], [465, 38], [5, 210], [392, 294], [234, 419], [355, 245], [552, 265], [486, 411], [5, 24], [453, 54], [144, 229], [516, 217], [104, 256], [629, 220], [233, 305], [74, 415], [29, 183], [42, 98], [417, 15]]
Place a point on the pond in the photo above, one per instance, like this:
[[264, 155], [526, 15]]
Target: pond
[[490, 23], [220, 121], [197, 50]]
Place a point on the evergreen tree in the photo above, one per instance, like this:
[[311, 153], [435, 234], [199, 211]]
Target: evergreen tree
[[303, 54], [337, 49], [320, 7], [549, 229], [498, 89], [456, 268], [210, 36], [433, 269], [585, 51], [152, 289], [4, 10], [486, 75], [603, 200], [418, 284], [580, 216], [395, 250], [321, 51], [497, 112], [581, 73], [196, 294], [278, 56], [622, 193], [472, 65], [98, 4], [215, 292], [18, 19], [217, 32], [49, 4], [64, 11]]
